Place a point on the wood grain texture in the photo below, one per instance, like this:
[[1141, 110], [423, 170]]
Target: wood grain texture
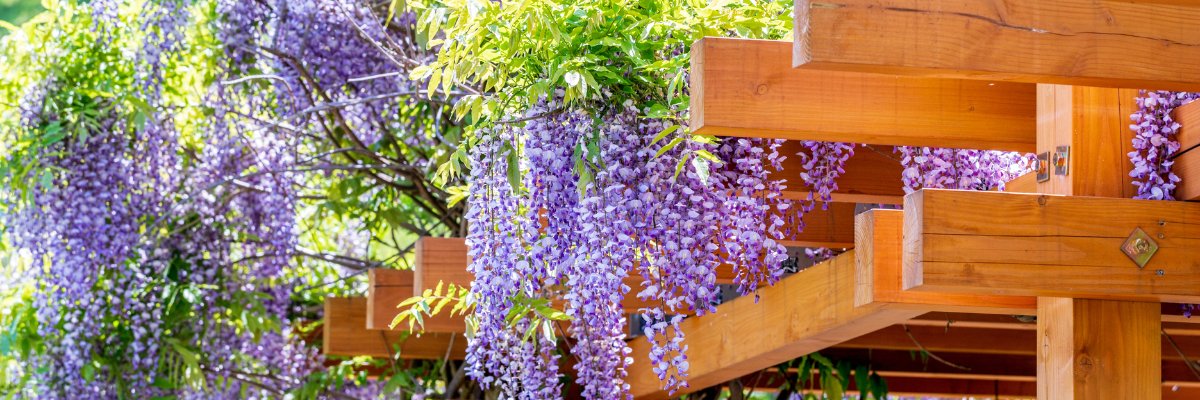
[[1098, 349], [386, 288], [1022, 184], [1187, 164], [345, 333], [1072, 42], [1094, 123], [748, 88], [872, 175], [805, 312], [1188, 117], [1047, 245], [826, 228], [878, 274], [441, 260]]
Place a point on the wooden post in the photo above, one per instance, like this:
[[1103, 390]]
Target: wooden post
[[1093, 349]]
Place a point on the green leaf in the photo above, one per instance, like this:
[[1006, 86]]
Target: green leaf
[[514, 171], [674, 142], [657, 111], [392, 11], [879, 387], [552, 314], [862, 381], [664, 134], [843, 369], [832, 386], [89, 372], [410, 301], [398, 319], [702, 169]]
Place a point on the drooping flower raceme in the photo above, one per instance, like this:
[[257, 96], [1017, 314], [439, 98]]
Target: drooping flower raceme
[[598, 203], [1154, 143], [932, 167]]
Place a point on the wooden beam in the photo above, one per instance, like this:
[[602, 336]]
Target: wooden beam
[[825, 228], [803, 313], [1188, 117], [1073, 42], [1046, 245], [748, 88], [956, 339], [1095, 349], [1022, 184], [872, 175], [386, 288], [1094, 122], [346, 334], [441, 260], [878, 274], [1187, 163]]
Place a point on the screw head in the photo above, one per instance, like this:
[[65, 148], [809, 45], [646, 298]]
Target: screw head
[[1162, 236], [1159, 272]]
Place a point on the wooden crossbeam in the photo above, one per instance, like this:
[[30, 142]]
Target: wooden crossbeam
[[1046, 245], [803, 313], [345, 334], [748, 88], [872, 175], [878, 274], [1073, 42], [1187, 164], [990, 341]]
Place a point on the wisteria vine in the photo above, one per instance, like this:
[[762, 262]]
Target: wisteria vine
[[1154, 143]]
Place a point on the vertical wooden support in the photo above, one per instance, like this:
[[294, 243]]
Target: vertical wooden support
[[1098, 349], [1093, 349]]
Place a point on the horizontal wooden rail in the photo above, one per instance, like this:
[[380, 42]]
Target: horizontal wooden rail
[[1046, 245], [940, 340], [1072, 42], [748, 88], [878, 274], [806, 312], [346, 334]]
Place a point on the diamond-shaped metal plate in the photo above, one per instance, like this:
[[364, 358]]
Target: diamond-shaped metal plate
[[1139, 247]]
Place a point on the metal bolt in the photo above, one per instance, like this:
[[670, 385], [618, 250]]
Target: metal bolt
[[1160, 272]]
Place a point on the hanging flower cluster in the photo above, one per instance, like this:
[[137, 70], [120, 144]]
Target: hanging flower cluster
[[932, 167], [1155, 144], [567, 208]]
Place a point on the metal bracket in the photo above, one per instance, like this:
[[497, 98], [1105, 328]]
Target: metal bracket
[[1062, 158], [1043, 167], [1139, 247]]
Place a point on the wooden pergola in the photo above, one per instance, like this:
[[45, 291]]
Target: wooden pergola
[[953, 266]]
